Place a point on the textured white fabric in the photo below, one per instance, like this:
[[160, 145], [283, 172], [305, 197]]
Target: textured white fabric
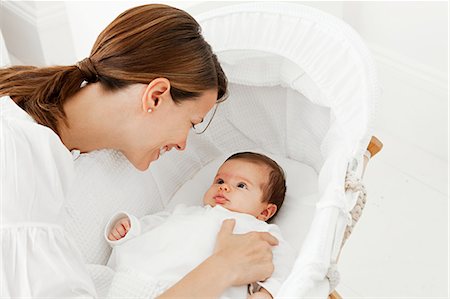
[[38, 259], [105, 182], [102, 277], [304, 49], [167, 248], [133, 284]]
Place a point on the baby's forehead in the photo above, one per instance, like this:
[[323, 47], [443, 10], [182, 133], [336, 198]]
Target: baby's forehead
[[244, 169]]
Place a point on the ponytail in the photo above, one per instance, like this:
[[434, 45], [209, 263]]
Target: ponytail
[[41, 91]]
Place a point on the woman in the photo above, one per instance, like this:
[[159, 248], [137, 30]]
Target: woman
[[149, 79]]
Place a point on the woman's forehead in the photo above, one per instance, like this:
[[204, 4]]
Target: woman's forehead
[[202, 104]]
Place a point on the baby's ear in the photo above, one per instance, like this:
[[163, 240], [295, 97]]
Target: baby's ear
[[268, 212]]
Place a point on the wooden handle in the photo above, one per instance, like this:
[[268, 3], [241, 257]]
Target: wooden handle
[[334, 295], [375, 146]]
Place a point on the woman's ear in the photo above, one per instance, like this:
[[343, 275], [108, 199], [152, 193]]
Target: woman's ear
[[157, 91], [268, 212]]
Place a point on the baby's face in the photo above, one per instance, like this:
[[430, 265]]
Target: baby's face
[[238, 187]]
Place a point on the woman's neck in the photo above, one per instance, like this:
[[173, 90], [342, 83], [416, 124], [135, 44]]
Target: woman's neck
[[91, 123]]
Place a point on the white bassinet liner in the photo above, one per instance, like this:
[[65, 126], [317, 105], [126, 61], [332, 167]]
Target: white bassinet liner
[[302, 86]]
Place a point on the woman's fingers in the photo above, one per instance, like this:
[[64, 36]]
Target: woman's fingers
[[227, 227], [249, 256], [225, 234], [269, 238]]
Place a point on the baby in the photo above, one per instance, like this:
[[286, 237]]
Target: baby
[[248, 187]]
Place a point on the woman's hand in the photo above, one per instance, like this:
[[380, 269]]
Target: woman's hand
[[237, 260], [248, 256]]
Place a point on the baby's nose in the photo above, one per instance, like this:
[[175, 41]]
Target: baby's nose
[[224, 187]]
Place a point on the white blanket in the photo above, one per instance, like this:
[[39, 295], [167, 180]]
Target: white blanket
[[167, 246]]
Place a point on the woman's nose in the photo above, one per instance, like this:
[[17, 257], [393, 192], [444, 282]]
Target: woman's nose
[[181, 146]]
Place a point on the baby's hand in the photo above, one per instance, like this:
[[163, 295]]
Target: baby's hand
[[120, 229]]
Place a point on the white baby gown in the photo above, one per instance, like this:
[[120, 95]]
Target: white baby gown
[[37, 257], [165, 246]]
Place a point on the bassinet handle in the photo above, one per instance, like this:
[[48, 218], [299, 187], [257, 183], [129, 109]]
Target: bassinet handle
[[373, 148]]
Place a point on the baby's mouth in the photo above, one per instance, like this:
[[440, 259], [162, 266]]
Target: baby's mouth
[[220, 199]]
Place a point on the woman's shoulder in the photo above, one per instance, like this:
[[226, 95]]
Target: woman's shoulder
[[25, 142], [19, 127]]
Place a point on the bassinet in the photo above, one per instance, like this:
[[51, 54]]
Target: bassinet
[[302, 87]]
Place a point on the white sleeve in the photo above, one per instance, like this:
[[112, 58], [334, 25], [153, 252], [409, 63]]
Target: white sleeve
[[137, 226], [283, 259]]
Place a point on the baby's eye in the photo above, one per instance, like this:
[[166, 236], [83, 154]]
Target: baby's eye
[[219, 181], [242, 185]]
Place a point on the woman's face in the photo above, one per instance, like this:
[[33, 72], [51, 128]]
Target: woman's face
[[166, 126]]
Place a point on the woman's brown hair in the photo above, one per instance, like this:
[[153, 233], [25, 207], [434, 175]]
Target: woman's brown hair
[[275, 190], [141, 44]]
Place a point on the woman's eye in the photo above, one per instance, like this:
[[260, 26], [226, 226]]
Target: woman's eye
[[242, 185]]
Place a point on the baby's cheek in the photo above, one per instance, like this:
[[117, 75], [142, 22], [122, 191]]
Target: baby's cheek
[[206, 197]]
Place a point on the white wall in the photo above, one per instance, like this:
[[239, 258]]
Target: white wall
[[87, 20], [36, 33], [415, 30], [4, 56], [409, 41]]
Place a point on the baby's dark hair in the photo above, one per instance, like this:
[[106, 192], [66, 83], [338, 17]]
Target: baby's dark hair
[[275, 189]]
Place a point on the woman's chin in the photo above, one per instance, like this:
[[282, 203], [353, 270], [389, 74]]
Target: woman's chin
[[142, 164], [145, 163]]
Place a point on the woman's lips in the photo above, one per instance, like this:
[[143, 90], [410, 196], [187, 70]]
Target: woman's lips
[[220, 199], [160, 152]]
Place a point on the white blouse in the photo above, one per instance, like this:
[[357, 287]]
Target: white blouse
[[38, 259]]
